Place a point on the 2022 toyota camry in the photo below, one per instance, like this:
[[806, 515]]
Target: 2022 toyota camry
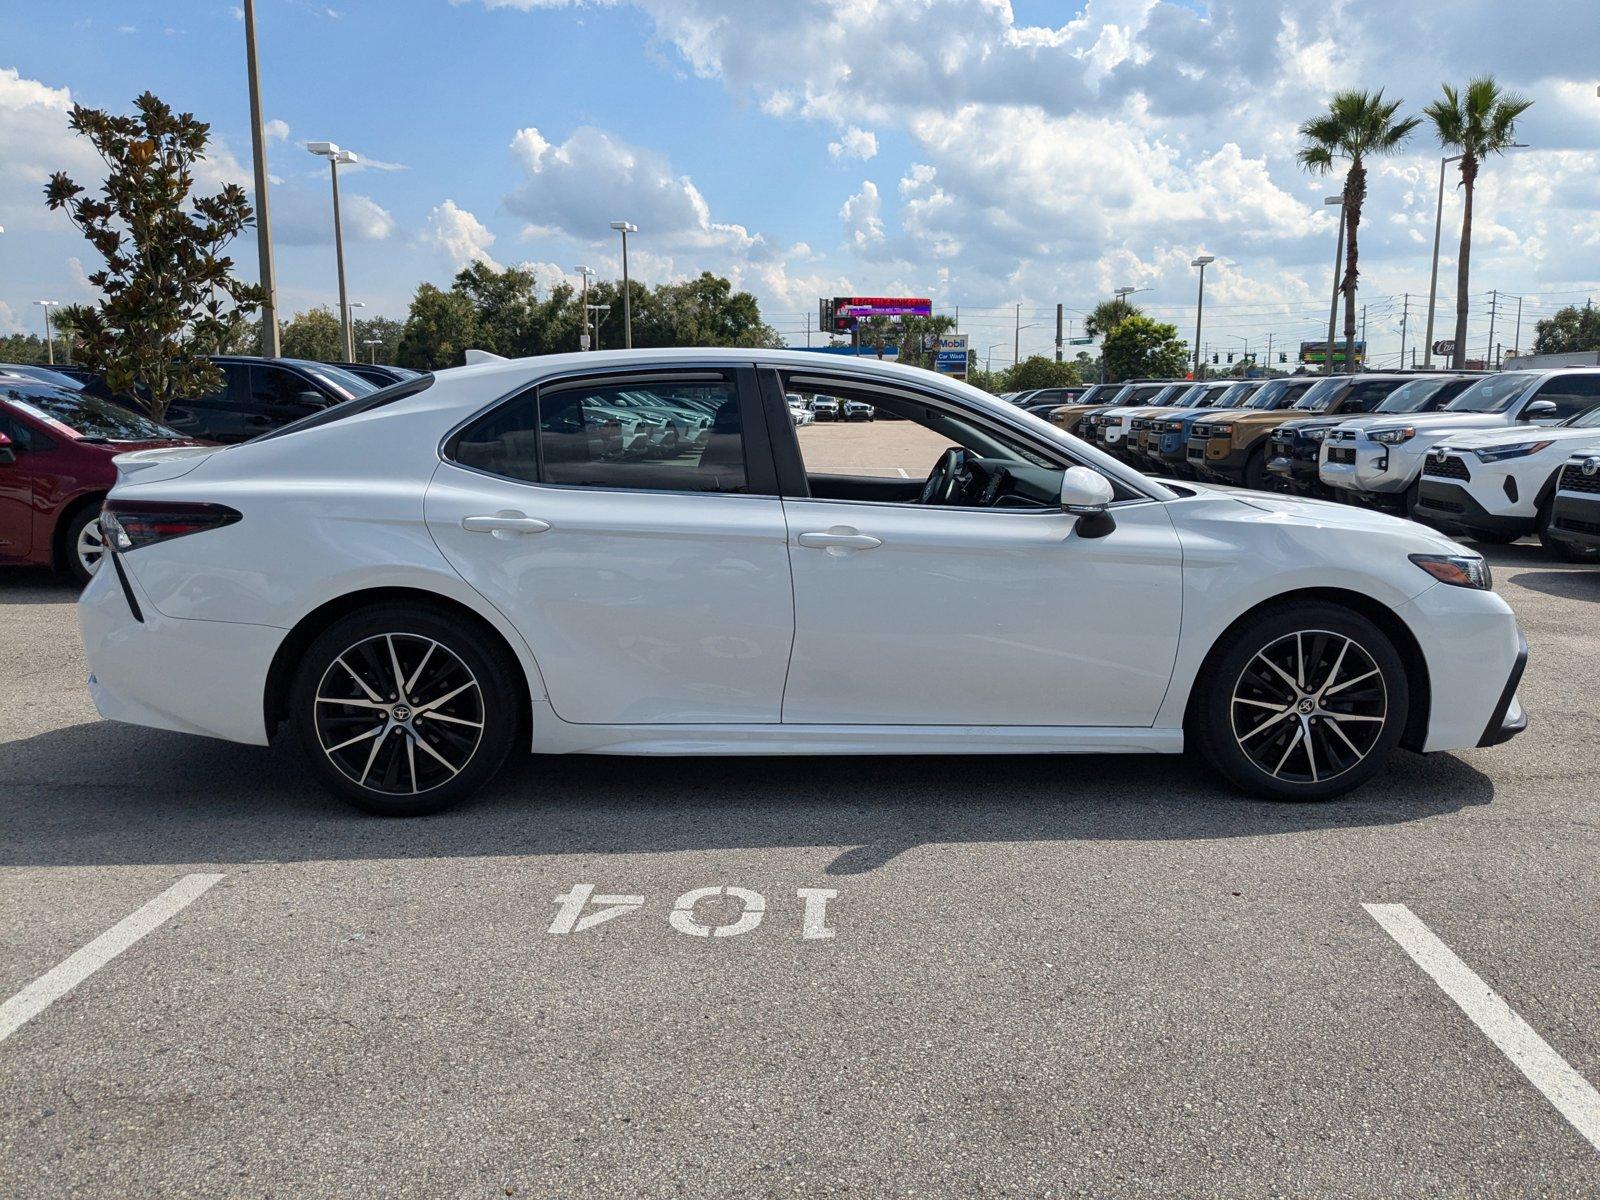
[[415, 582]]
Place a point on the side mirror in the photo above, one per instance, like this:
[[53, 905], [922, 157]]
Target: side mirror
[[8, 452], [311, 399], [1087, 495], [1539, 410]]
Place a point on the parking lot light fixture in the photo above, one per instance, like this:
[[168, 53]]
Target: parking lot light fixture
[[374, 343], [1333, 305], [49, 342], [625, 228], [1200, 308], [599, 311], [583, 338], [335, 156]]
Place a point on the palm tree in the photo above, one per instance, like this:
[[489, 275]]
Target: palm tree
[[1107, 315], [1480, 122], [1356, 125]]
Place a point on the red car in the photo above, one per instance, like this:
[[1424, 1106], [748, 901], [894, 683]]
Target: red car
[[56, 447]]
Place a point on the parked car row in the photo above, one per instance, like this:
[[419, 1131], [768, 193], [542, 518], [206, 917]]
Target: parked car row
[[1489, 457]]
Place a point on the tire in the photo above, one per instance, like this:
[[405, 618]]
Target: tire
[[1409, 498], [1255, 469], [1559, 548], [438, 755], [82, 551], [1492, 539], [1237, 726]]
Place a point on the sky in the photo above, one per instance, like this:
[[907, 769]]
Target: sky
[[999, 157]]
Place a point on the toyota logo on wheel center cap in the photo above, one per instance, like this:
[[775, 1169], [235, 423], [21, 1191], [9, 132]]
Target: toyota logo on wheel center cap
[[1308, 705], [400, 712]]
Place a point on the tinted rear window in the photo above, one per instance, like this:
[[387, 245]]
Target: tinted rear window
[[351, 408]]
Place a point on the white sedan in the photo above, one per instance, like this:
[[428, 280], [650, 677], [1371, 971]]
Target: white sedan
[[415, 582]]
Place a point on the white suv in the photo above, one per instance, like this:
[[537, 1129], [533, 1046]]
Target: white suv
[[1496, 485], [1380, 457]]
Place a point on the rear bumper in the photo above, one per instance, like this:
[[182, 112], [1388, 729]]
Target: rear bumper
[[200, 677]]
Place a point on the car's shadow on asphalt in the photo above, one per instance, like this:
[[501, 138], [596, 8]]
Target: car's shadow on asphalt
[[36, 585], [106, 794]]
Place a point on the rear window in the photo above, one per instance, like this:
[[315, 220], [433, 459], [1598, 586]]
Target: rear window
[[84, 415], [350, 408]]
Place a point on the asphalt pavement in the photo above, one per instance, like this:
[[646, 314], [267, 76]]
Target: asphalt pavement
[[1044, 976]]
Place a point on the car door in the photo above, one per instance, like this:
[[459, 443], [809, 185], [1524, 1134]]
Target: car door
[[16, 490], [910, 614], [651, 589]]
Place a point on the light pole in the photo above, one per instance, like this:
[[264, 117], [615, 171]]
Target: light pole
[[1200, 307], [1433, 277], [583, 338], [599, 311], [624, 228], [351, 307], [335, 156], [49, 343], [1333, 305], [372, 354], [986, 356], [269, 307], [1016, 349]]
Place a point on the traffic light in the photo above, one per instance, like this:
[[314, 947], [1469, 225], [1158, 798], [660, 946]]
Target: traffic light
[[1213, 360], [1282, 356], [1230, 356]]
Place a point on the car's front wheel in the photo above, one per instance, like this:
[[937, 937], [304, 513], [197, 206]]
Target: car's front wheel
[[83, 545], [1301, 702], [404, 710]]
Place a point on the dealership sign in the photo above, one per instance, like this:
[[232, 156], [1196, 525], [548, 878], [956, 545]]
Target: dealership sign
[[843, 312], [1447, 346], [1317, 352]]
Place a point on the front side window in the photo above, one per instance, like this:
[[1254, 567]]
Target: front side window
[[672, 434], [1571, 394]]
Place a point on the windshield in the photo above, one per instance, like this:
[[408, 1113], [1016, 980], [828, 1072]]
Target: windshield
[[1588, 419], [341, 381], [1493, 394], [1322, 393], [43, 373], [1237, 394], [1411, 397], [1270, 393], [1100, 393], [87, 416], [1181, 394]]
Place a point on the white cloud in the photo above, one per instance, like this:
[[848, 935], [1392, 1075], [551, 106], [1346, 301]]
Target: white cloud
[[462, 237], [855, 142], [862, 217], [276, 130]]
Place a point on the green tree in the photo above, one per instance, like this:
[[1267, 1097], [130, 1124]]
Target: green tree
[[506, 303], [1140, 348], [1357, 126], [875, 334], [1038, 371], [385, 331], [314, 335], [440, 328], [992, 382], [915, 331], [22, 348], [167, 291], [1107, 315], [706, 311], [1475, 123], [1568, 331]]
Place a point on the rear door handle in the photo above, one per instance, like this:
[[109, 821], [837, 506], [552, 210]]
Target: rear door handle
[[839, 538], [505, 524]]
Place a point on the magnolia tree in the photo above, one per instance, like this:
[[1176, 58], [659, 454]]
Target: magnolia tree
[[167, 291]]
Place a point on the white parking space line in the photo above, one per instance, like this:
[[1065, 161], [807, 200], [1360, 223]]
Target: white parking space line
[[58, 981], [1573, 1096]]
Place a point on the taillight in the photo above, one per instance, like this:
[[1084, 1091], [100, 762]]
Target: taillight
[[130, 524]]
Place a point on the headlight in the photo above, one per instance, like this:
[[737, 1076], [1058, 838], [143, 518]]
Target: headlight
[[1393, 437], [1316, 435], [1173, 426], [1219, 431], [1520, 450], [1458, 570]]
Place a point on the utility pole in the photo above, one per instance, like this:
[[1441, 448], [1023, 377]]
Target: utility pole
[[808, 331], [1405, 317], [270, 346], [1060, 314], [1516, 342], [1350, 367], [1494, 303], [1269, 354], [1016, 339]]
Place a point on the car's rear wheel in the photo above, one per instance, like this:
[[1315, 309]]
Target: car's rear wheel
[[1301, 702], [404, 710]]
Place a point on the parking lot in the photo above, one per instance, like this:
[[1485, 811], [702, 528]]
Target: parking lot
[[998, 976]]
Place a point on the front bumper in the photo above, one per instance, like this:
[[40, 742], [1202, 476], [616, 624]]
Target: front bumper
[[1576, 518], [189, 676], [1448, 505], [1294, 463], [1376, 469], [1508, 718]]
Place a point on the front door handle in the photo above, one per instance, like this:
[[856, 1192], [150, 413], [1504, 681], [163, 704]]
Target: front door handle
[[840, 537], [507, 523]]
